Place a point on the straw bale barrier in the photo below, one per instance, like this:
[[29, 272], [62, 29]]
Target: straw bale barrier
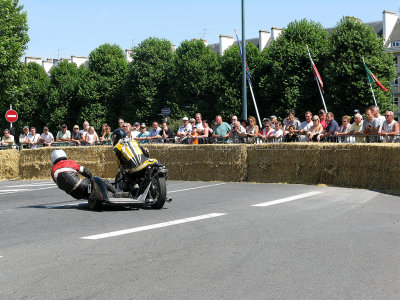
[[371, 166], [9, 164]]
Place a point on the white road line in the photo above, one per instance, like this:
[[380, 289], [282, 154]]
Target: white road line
[[69, 204], [149, 227], [33, 184], [292, 198], [3, 192], [195, 188]]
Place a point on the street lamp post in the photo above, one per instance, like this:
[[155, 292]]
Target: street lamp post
[[244, 90], [393, 86]]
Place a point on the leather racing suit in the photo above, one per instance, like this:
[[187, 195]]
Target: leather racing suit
[[132, 156], [65, 175]]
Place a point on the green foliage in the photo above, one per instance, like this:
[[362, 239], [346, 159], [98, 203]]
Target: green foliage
[[195, 80], [347, 86], [230, 97], [13, 42], [286, 78], [147, 80]]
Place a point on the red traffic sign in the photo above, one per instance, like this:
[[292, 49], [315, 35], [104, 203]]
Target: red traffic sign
[[11, 116]]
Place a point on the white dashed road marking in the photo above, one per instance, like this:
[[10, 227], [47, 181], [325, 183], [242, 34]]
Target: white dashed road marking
[[288, 199], [2, 192], [197, 187], [149, 227]]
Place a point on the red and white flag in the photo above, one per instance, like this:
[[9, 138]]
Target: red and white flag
[[317, 76]]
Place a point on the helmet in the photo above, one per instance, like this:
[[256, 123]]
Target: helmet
[[117, 135], [57, 155]]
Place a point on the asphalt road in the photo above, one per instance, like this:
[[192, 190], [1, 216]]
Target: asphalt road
[[215, 240]]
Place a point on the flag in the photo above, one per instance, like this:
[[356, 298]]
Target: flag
[[317, 76], [247, 68], [372, 78]]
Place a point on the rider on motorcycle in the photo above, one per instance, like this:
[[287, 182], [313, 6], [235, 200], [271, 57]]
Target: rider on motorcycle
[[130, 155], [65, 175]]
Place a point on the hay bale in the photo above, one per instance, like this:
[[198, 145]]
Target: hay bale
[[9, 164]]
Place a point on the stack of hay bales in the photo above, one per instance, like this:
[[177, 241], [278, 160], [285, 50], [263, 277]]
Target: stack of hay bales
[[9, 164], [35, 163], [203, 162]]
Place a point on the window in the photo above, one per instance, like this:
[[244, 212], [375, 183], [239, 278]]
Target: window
[[395, 44]]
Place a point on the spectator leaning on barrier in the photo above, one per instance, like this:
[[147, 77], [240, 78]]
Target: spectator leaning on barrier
[[142, 137], [267, 133], [207, 133], [315, 130], [8, 139], [166, 133], [23, 137], [91, 137], [381, 119], [305, 127], [221, 130], [155, 133], [106, 135], [252, 130], [343, 130], [278, 133], [184, 130], [127, 128], [233, 119], [237, 133], [103, 129], [274, 121], [331, 127], [76, 136], [390, 128], [85, 129], [322, 118], [356, 129], [291, 120], [291, 136], [33, 138], [46, 137], [64, 135], [370, 126], [135, 130], [199, 123]]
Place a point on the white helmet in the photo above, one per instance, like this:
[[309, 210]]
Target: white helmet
[[57, 155]]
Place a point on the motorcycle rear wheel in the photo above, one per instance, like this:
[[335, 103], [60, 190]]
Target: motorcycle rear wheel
[[158, 191]]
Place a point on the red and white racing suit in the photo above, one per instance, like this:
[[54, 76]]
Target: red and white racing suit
[[65, 175]]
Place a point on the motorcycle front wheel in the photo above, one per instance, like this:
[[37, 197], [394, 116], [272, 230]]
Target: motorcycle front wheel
[[158, 191]]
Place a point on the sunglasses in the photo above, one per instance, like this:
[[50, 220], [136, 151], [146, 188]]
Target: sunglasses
[[387, 116]]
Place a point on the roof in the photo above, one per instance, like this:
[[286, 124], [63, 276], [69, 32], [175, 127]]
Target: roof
[[395, 35]]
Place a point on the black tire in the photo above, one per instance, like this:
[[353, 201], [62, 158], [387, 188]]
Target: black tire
[[158, 191], [95, 204]]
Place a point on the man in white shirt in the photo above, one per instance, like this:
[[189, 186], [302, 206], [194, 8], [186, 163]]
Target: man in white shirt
[[185, 129], [199, 124], [23, 137], [305, 127], [155, 133], [46, 137], [33, 138], [390, 128]]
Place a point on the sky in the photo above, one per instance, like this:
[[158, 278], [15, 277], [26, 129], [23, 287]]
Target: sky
[[59, 28]]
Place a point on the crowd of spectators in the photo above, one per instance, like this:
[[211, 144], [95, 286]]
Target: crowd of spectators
[[321, 127]]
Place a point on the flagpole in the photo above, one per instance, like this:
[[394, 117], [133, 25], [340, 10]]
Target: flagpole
[[250, 85], [370, 85], [319, 88]]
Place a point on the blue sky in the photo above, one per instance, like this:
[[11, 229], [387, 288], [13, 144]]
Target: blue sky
[[73, 27]]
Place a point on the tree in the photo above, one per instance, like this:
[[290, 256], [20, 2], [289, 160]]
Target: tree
[[109, 66], [13, 42], [32, 96], [229, 102], [287, 80], [345, 74], [195, 80], [146, 86]]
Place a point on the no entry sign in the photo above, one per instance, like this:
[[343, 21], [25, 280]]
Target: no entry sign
[[11, 116]]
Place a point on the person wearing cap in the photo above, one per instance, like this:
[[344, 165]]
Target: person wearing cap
[[46, 137], [64, 135], [33, 138], [76, 136], [135, 130], [23, 137], [185, 129], [142, 137]]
